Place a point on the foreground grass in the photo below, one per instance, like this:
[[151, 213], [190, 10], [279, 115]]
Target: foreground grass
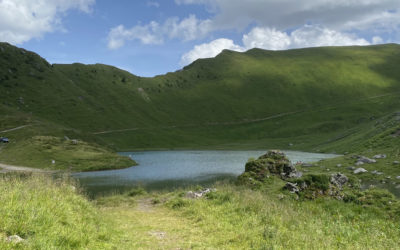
[[50, 214], [239, 218]]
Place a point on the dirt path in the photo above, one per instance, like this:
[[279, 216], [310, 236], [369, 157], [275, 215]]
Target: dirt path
[[246, 121], [4, 168], [13, 129]]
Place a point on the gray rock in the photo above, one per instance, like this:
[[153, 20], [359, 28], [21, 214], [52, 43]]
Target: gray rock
[[360, 171], [376, 172], [14, 239], [380, 156], [359, 163], [339, 179], [351, 168], [398, 187], [199, 194], [388, 177], [398, 177], [396, 162], [339, 165], [366, 160], [292, 187]]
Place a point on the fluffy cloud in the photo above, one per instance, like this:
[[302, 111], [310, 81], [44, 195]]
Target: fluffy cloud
[[266, 38], [284, 14], [207, 50], [22, 20], [315, 36], [272, 39], [186, 29], [147, 34]]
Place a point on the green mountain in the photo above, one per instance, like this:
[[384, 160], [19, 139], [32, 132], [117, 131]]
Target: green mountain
[[320, 99]]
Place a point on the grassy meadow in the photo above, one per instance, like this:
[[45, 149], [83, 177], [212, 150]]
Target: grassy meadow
[[53, 214]]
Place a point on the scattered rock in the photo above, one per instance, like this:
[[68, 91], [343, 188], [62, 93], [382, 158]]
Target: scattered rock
[[398, 177], [290, 144], [359, 163], [360, 171], [199, 194], [351, 168], [14, 239], [376, 172], [388, 177], [339, 180], [366, 160], [292, 187], [380, 156], [339, 165], [398, 187], [396, 162]]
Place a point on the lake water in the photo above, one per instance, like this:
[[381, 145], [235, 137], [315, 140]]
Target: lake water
[[174, 169]]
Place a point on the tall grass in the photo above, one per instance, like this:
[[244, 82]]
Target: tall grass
[[48, 214], [239, 218]]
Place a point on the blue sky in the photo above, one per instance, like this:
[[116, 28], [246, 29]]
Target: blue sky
[[155, 37]]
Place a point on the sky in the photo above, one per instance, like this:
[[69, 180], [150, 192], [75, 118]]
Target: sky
[[152, 37]]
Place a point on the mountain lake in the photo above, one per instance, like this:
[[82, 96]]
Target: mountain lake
[[175, 169]]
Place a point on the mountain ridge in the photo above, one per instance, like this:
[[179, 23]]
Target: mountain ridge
[[219, 102]]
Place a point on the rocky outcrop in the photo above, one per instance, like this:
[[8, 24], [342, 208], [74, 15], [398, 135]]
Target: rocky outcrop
[[312, 186], [339, 180], [273, 163]]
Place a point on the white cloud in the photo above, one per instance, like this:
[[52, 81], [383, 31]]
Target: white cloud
[[153, 4], [22, 20], [272, 39], [377, 40], [186, 29], [315, 36], [147, 34], [211, 49], [343, 15], [266, 38]]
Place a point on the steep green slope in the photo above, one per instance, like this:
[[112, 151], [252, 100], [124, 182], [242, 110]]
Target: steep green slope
[[257, 99]]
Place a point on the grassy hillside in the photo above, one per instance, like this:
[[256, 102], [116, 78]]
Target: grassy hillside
[[319, 99]]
